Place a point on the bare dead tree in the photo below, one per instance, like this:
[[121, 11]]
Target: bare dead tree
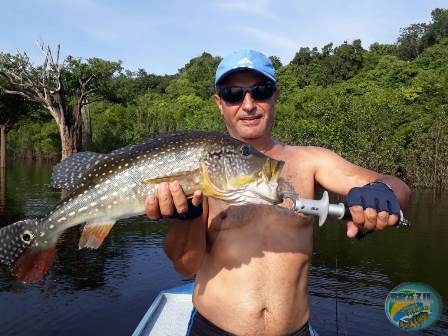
[[45, 85]]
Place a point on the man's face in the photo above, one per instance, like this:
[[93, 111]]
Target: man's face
[[249, 118]]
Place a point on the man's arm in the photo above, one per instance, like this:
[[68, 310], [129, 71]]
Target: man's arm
[[185, 241], [338, 175], [401, 189]]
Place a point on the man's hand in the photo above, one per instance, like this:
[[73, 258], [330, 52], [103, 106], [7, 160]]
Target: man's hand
[[373, 207], [171, 201]]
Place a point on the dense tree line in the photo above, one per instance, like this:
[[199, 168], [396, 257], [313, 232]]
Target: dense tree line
[[385, 107]]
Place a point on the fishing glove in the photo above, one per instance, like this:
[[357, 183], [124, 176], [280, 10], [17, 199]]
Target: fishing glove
[[193, 212], [376, 195]]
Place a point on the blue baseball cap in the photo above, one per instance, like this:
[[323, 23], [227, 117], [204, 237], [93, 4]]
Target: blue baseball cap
[[245, 60]]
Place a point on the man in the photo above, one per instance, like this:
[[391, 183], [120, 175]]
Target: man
[[251, 262]]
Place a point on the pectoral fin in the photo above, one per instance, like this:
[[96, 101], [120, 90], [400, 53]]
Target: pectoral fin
[[189, 180], [94, 234], [209, 188]]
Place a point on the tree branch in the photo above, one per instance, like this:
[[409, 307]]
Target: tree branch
[[91, 101], [25, 95]]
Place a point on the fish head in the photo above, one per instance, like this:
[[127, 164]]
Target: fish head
[[235, 171], [15, 239]]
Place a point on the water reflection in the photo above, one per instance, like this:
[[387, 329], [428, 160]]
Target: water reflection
[[8, 207], [109, 289], [350, 279]]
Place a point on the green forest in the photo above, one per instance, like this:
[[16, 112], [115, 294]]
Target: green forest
[[385, 107]]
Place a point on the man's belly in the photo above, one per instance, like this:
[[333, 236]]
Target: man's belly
[[254, 277], [266, 296]]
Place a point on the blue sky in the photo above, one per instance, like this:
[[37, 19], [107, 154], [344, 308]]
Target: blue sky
[[162, 36]]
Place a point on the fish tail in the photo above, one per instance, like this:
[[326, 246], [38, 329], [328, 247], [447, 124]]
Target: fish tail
[[18, 250]]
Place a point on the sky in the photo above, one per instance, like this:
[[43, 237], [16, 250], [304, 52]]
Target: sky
[[162, 36]]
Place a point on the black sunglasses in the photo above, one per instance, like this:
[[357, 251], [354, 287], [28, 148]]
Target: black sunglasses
[[236, 94]]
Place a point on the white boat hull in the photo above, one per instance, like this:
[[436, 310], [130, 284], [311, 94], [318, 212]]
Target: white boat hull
[[168, 314]]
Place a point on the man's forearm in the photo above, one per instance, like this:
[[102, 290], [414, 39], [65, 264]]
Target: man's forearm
[[185, 245]]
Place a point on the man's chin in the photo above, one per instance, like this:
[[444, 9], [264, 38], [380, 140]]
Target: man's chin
[[251, 132]]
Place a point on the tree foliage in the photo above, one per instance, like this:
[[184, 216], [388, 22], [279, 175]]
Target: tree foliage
[[385, 108]]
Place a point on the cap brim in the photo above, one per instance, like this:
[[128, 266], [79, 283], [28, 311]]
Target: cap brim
[[231, 71]]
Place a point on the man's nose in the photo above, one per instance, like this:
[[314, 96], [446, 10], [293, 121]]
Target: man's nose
[[248, 102]]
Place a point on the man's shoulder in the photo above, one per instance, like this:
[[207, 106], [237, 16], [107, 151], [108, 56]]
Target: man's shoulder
[[299, 154], [309, 157], [306, 150]]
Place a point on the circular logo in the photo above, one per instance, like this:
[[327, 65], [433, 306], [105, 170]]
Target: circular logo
[[413, 306]]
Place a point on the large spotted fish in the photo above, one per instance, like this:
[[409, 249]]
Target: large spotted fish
[[104, 188]]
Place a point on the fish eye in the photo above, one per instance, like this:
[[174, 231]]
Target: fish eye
[[245, 150], [26, 237]]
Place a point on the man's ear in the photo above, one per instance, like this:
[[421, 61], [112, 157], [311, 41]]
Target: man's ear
[[219, 103], [277, 92]]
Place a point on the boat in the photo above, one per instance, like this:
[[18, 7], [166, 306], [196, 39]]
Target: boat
[[168, 314]]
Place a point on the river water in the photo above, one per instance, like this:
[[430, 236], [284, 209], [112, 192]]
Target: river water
[[107, 291]]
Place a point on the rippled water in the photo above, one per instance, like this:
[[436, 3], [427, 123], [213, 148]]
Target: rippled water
[[107, 291]]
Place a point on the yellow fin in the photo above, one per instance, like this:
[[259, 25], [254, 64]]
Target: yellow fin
[[209, 189], [189, 180], [94, 234]]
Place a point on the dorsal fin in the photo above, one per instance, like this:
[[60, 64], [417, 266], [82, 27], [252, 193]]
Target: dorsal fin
[[67, 174]]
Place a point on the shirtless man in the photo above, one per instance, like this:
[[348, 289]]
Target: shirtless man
[[251, 262]]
